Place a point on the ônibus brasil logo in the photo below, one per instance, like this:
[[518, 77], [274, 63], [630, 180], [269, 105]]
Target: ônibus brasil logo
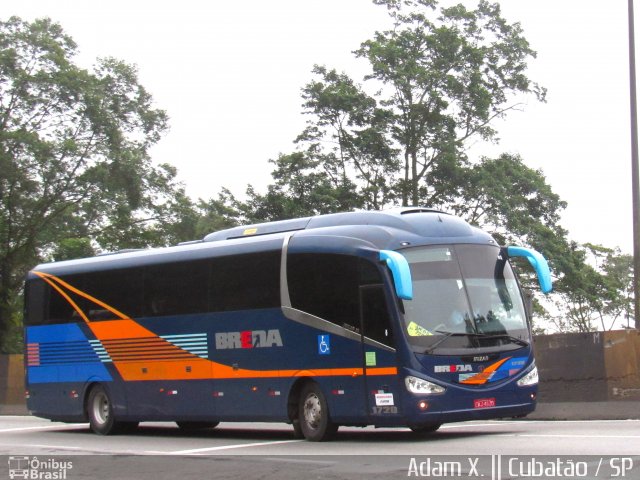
[[34, 469], [248, 339]]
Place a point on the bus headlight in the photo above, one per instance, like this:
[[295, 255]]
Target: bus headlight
[[530, 378], [418, 385]]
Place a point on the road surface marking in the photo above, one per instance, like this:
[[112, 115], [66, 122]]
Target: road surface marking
[[65, 426], [496, 424], [568, 435], [229, 447]]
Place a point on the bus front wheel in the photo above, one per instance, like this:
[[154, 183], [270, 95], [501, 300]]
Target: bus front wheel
[[313, 414]]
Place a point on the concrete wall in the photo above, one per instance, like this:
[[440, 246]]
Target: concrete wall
[[622, 360], [590, 367], [12, 384]]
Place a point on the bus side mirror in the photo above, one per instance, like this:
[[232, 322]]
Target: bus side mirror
[[538, 262], [400, 271]]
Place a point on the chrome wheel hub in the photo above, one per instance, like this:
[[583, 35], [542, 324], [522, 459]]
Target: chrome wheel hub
[[312, 411], [101, 408]]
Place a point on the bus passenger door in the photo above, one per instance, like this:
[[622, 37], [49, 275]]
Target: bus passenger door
[[379, 356]]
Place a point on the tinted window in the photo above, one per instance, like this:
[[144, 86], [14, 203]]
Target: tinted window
[[375, 315], [60, 309], [119, 289], [240, 282], [35, 292], [328, 286], [176, 288], [245, 282]]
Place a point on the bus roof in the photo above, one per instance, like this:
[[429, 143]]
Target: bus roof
[[389, 229]]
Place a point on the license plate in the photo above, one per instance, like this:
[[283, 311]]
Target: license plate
[[484, 402]]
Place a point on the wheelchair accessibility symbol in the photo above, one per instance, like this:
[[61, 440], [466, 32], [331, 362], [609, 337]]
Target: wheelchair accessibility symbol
[[324, 344]]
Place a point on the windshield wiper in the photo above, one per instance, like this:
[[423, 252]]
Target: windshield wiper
[[451, 334], [515, 340]]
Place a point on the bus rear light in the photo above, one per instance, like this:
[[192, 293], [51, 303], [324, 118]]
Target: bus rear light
[[73, 394], [337, 392], [423, 405]]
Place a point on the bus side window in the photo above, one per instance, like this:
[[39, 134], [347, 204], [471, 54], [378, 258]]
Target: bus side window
[[245, 282], [176, 289], [373, 304], [35, 302], [326, 286], [119, 289], [375, 315], [57, 308]]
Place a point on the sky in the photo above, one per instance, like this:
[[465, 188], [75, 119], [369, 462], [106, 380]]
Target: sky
[[229, 75]]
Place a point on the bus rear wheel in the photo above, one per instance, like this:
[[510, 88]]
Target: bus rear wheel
[[313, 414], [100, 412]]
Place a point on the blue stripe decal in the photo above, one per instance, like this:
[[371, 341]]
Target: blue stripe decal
[[195, 343], [65, 355]]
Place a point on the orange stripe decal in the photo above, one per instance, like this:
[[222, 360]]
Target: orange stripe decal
[[484, 376]]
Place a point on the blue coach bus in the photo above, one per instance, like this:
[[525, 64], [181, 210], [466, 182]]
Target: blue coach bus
[[402, 318]]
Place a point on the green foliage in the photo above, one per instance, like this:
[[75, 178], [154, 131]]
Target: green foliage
[[357, 131], [445, 78], [303, 186], [70, 248], [73, 156], [595, 290], [12, 340], [217, 214]]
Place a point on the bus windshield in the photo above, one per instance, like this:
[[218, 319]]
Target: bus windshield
[[464, 297]]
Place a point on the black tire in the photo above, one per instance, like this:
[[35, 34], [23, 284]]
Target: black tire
[[313, 414], [297, 429], [425, 429], [100, 412], [196, 425], [127, 427]]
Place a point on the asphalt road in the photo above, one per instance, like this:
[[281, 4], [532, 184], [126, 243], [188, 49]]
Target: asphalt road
[[259, 450]]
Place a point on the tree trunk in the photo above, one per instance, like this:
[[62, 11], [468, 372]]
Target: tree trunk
[[405, 187], [415, 193]]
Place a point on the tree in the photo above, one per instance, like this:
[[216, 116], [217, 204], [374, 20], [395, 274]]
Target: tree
[[303, 187], [357, 132], [218, 214], [514, 203], [73, 154], [440, 80], [595, 290]]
